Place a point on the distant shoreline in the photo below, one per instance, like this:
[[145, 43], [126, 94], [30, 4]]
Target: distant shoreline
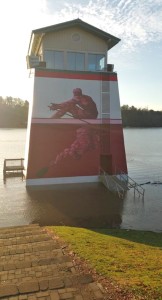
[[14, 114]]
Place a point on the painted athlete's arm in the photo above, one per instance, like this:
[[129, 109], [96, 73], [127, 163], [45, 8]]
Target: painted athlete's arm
[[55, 106]]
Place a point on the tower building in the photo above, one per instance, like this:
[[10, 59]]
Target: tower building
[[75, 126]]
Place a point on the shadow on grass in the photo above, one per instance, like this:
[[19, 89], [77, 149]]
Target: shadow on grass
[[153, 239]]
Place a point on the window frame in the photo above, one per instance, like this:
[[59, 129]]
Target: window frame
[[75, 58], [96, 62], [53, 54], [85, 63]]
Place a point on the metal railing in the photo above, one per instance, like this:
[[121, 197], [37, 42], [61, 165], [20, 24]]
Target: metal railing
[[120, 183], [112, 184], [131, 183]]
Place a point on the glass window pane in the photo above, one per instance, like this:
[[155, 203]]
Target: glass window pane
[[49, 59], [71, 61], [80, 61], [91, 62], [59, 60], [100, 61], [96, 62]]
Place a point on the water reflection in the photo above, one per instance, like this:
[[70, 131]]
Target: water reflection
[[85, 205], [143, 214]]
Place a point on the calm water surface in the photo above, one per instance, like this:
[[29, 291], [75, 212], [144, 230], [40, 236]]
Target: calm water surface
[[144, 160], [92, 204]]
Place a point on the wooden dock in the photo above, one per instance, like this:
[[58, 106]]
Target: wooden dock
[[13, 167]]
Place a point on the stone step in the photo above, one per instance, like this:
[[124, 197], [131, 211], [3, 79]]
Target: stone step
[[29, 263], [24, 240], [34, 231], [26, 272], [33, 266], [76, 287], [29, 248], [30, 256], [19, 228]]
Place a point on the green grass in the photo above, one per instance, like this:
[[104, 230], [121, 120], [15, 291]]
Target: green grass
[[132, 259]]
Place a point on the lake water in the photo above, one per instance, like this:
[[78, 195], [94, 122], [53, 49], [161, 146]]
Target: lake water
[[144, 160], [91, 204]]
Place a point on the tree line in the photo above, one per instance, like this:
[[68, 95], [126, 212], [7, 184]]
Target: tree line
[[140, 117], [14, 114]]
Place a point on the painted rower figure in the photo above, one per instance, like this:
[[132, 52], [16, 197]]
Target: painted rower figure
[[80, 107]]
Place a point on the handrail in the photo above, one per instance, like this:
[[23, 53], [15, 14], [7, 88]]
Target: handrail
[[123, 178], [112, 184], [132, 183]]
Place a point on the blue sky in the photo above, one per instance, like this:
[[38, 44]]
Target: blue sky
[[137, 58]]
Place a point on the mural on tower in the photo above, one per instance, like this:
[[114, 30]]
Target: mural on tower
[[69, 136], [68, 127]]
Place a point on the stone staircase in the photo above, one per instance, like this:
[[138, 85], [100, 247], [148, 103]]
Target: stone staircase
[[33, 266]]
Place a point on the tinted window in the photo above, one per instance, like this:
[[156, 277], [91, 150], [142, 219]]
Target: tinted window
[[49, 59], [75, 61], [54, 59], [96, 62], [59, 60]]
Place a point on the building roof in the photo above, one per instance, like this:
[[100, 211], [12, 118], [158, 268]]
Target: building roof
[[37, 34]]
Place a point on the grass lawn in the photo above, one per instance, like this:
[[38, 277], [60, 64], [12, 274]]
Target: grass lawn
[[131, 259]]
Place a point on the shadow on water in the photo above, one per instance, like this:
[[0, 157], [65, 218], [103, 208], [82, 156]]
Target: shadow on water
[[81, 205], [153, 239]]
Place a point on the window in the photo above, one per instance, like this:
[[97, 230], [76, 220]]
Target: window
[[96, 62], [59, 59], [54, 59], [75, 61]]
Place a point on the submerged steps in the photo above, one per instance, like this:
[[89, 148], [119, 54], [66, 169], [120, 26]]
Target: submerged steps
[[120, 184]]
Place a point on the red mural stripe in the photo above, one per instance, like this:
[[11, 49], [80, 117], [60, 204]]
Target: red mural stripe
[[87, 76]]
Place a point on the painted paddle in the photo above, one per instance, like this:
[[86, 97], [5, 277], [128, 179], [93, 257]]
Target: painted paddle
[[42, 172]]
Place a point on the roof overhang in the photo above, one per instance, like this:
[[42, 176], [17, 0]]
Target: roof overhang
[[37, 34]]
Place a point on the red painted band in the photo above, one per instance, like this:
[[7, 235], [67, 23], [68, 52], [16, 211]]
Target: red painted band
[[86, 76]]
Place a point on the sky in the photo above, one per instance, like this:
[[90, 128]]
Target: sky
[[137, 58]]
